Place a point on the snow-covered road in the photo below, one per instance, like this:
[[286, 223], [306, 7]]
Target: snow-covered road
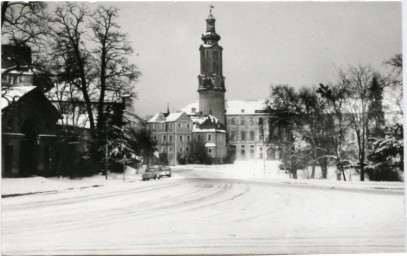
[[200, 212]]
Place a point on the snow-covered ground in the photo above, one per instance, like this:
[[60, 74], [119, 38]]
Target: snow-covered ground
[[224, 209]]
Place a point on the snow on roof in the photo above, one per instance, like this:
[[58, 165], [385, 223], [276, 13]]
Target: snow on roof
[[210, 144], [233, 107], [65, 92], [18, 72], [191, 109], [159, 117], [81, 121], [207, 45], [13, 93], [154, 118], [173, 116], [244, 107], [197, 129]]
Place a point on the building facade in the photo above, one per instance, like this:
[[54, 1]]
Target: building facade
[[173, 134], [29, 120], [248, 126], [248, 129]]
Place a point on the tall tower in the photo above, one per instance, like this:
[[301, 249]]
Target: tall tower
[[211, 81]]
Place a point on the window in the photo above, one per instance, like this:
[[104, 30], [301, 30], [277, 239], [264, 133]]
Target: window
[[188, 138], [233, 135], [251, 121], [242, 110], [180, 150], [251, 135], [163, 149], [162, 125], [229, 121], [242, 150], [164, 138], [242, 122], [252, 150], [179, 125], [188, 126], [199, 137], [181, 138], [169, 138], [209, 137], [215, 54], [209, 150], [233, 121], [169, 149], [242, 135], [187, 149]]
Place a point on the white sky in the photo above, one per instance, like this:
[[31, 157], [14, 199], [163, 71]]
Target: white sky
[[297, 43]]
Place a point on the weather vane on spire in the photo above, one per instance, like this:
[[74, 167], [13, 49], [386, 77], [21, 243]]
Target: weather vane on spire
[[210, 8]]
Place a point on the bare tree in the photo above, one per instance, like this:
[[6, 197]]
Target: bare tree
[[356, 82], [69, 28], [111, 51], [24, 22]]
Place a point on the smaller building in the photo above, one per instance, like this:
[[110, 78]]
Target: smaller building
[[173, 133], [28, 132], [212, 133]]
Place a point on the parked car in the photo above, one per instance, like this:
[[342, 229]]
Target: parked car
[[151, 173], [164, 171]]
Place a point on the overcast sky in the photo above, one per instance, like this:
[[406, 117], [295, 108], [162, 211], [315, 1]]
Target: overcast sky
[[297, 43]]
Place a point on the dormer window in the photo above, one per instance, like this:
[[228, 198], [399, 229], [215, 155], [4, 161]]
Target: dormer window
[[242, 110]]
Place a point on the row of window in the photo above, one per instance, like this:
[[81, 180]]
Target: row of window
[[169, 137], [181, 150], [165, 138], [169, 125], [234, 137], [243, 150], [244, 121], [169, 150]]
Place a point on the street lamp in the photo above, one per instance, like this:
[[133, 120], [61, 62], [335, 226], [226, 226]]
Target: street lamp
[[261, 130], [124, 97]]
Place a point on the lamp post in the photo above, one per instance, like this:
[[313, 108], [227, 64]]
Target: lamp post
[[124, 97], [261, 130], [107, 141]]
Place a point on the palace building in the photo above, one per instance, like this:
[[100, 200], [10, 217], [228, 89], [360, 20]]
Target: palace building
[[172, 131]]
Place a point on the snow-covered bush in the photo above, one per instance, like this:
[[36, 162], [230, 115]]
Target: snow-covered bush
[[386, 157]]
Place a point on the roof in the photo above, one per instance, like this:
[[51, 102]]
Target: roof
[[81, 121], [161, 117], [173, 116], [233, 107], [14, 93], [207, 124], [65, 92]]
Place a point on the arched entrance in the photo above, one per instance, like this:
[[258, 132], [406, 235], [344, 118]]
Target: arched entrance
[[28, 146]]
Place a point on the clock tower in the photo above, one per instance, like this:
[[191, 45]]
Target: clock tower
[[211, 87]]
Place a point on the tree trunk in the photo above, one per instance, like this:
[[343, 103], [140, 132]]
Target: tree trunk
[[314, 163], [4, 7], [324, 168]]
